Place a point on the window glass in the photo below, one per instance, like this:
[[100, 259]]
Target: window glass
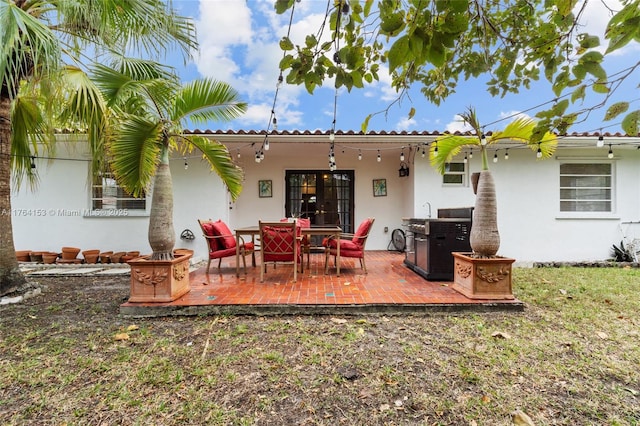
[[455, 174], [586, 187], [108, 195]]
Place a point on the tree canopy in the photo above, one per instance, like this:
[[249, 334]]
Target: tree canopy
[[436, 43]]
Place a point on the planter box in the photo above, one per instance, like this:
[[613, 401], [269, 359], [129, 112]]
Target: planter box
[[479, 278], [159, 280]]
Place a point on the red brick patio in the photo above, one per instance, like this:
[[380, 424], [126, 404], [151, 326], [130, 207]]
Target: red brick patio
[[389, 287]]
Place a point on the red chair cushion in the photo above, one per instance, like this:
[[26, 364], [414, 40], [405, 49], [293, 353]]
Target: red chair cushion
[[207, 228], [220, 229], [363, 230], [278, 244], [220, 253]]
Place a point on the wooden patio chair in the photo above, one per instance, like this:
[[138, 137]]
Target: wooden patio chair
[[222, 243], [280, 243], [351, 245]]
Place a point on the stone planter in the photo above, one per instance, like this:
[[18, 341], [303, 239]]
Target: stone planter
[[482, 278], [159, 280]]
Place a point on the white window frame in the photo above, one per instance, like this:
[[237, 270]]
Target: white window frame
[[587, 214], [464, 173], [115, 210]]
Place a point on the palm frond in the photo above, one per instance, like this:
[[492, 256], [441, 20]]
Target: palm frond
[[220, 160], [205, 100], [448, 147], [30, 133], [135, 151], [29, 47]]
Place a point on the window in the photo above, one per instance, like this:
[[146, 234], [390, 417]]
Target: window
[[586, 187], [108, 195], [455, 174]]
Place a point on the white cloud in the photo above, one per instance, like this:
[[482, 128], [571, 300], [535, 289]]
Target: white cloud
[[457, 125], [406, 123]]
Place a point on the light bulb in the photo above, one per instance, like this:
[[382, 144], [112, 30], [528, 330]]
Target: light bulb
[[423, 153], [186, 165], [483, 139], [379, 159], [495, 157], [266, 144], [610, 155], [261, 155], [435, 150], [257, 157], [402, 156], [470, 155], [332, 136], [359, 155], [275, 123], [600, 142], [238, 155], [506, 155], [539, 153], [465, 159]]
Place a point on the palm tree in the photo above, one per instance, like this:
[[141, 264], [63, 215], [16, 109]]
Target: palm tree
[[484, 237], [43, 42], [149, 121]]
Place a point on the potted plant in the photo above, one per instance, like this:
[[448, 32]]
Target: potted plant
[[151, 109], [482, 273]]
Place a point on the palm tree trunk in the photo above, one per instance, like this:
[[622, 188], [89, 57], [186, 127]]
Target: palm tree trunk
[[11, 278], [162, 237], [484, 237]]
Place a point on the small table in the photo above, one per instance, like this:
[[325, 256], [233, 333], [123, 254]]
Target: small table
[[327, 231]]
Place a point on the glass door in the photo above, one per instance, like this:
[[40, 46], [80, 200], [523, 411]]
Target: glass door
[[324, 197]]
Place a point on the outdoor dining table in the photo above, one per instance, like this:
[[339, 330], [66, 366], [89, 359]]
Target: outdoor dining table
[[326, 231]]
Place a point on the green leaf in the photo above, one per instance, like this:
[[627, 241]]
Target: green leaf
[[630, 123], [367, 7], [392, 24], [281, 6], [601, 87], [592, 56], [286, 44], [588, 41], [311, 41], [398, 52], [436, 55], [595, 69], [615, 110], [579, 93], [579, 71], [412, 112], [365, 124], [356, 77]]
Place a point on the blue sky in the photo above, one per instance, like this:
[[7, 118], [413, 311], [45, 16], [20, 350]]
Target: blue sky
[[239, 44]]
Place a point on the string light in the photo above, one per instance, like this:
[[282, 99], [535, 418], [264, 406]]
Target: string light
[[435, 150], [238, 155], [600, 142], [257, 156], [402, 154], [539, 153], [266, 143], [466, 160], [261, 155], [359, 154], [610, 155], [275, 121], [506, 154], [495, 157], [470, 155], [423, 153], [483, 140], [379, 159], [33, 162], [186, 165]]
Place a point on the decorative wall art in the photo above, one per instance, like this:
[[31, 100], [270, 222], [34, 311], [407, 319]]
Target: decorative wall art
[[379, 187], [265, 189]]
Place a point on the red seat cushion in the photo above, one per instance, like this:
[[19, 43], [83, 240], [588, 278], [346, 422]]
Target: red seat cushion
[[278, 244], [363, 230], [207, 228], [220, 229]]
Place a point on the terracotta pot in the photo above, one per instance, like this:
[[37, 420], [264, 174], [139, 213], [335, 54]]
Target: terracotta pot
[[36, 256], [91, 256], [159, 280], [69, 253], [49, 257], [125, 258], [133, 254], [115, 257], [23, 255], [105, 257]]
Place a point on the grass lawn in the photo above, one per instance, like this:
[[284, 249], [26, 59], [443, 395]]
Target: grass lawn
[[571, 358]]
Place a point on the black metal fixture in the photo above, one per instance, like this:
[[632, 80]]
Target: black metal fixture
[[404, 170]]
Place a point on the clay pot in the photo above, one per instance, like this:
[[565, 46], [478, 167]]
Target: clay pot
[[49, 257], [91, 256], [36, 256], [116, 257], [133, 254], [125, 258], [69, 253], [105, 257], [23, 255]]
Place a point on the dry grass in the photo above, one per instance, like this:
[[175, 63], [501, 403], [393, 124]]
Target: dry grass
[[570, 359]]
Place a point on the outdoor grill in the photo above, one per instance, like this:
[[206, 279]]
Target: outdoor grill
[[431, 242]]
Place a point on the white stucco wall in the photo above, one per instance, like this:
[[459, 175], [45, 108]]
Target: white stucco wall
[[530, 223]]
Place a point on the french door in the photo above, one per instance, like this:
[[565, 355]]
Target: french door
[[323, 196]]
